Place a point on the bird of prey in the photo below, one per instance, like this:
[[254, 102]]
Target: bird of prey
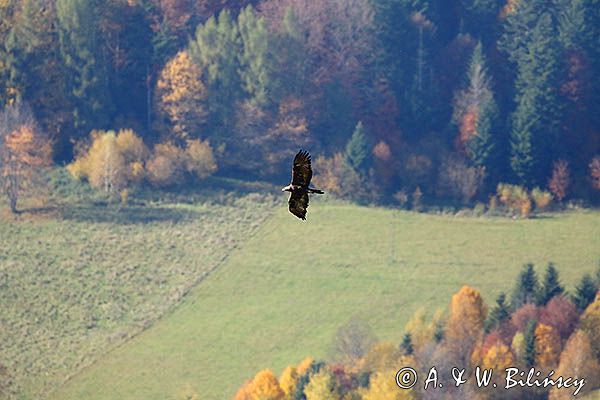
[[299, 188]]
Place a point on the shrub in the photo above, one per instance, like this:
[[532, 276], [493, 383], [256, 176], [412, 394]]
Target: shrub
[[166, 167], [458, 180], [199, 159], [401, 197], [170, 164], [515, 198], [340, 179], [112, 161], [560, 181], [134, 153], [541, 198], [479, 209]]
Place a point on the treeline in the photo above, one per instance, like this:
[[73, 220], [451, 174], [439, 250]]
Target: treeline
[[541, 327], [445, 99]]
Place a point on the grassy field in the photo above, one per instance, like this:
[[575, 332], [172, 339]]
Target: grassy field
[[282, 295], [87, 277]]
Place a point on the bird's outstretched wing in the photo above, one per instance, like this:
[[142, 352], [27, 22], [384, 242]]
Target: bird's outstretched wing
[[298, 203], [301, 171]]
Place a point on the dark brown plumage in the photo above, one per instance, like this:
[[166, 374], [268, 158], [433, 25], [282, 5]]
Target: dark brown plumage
[[299, 188]]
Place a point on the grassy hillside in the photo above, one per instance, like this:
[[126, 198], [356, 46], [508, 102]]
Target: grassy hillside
[[75, 284], [284, 293]]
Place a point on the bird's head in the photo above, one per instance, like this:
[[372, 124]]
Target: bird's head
[[288, 188]]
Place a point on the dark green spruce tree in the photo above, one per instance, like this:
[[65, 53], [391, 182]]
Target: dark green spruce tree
[[407, 346], [357, 149], [215, 48], [550, 287], [255, 58], [526, 287], [480, 18], [499, 313], [531, 41], [585, 292], [80, 46], [529, 353]]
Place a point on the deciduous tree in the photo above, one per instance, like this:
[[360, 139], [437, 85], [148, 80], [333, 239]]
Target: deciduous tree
[[181, 97], [577, 360], [24, 152], [547, 347], [465, 323], [321, 387], [560, 314], [352, 341], [590, 324]]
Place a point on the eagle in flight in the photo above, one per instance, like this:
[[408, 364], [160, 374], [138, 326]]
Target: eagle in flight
[[299, 190]]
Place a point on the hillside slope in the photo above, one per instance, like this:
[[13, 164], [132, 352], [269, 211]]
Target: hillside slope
[[74, 285], [284, 293]]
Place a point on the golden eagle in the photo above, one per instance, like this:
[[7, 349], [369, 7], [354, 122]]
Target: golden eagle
[[301, 175]]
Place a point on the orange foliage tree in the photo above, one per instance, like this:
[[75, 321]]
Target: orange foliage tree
[[560, 181], [590, 324], [264, 386], [287, 381], [465, 323], [181, 97], [547, 347], [498, 357], [382, 386], [24, 152], [577, 360]]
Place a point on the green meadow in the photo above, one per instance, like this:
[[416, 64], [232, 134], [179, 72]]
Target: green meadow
[[83, 279], [281, 294]]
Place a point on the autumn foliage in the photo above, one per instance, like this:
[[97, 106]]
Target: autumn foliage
[[181, 98], [560, 180], [116, 160], [24, 153], [551, 337]]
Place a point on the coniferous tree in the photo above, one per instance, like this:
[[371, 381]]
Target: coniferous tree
[[526, 287], [438, 333], [585, 292], [407, 345], [79, 37], [498, 314], [550, 287], [476, 112], [215, 49], [289, 76], [529, 351], [39, 74], [579, 84], [357, 149], [536, 122], [255, 68], [480, 17]]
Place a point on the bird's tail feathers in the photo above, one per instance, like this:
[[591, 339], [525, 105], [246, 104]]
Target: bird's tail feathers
[[316, 191]]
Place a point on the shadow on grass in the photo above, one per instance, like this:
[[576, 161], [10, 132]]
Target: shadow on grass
[[124, 215]]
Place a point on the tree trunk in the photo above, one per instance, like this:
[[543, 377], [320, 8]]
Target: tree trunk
[[13, 204]]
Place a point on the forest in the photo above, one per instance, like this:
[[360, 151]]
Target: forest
[[539, 327], [405, 101]]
